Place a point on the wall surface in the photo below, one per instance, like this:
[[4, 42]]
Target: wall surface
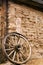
[[28, 22]]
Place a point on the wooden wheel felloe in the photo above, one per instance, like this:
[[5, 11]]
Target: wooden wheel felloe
[[16, 48]]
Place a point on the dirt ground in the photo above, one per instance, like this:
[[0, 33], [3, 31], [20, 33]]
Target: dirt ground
[[31, 62]]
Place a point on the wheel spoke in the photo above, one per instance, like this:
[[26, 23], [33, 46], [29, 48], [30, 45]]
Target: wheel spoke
[[21, 49], [27, 48], [9, 49], [21, 56], [10, 42], [19, 40], [11, 53], [14, 56], [13, 40], [17, 57], [21, 53], [16, 39], [22, 42], [8, 45], [25, 51]]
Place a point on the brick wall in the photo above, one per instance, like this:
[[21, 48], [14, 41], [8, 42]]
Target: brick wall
[[31, 26]]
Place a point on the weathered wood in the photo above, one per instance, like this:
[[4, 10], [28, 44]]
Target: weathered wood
[[2, 31]]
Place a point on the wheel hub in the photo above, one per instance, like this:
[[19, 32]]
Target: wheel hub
[[17, 48]]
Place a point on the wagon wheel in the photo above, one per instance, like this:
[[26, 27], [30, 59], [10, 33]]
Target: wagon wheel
[[16, 48]]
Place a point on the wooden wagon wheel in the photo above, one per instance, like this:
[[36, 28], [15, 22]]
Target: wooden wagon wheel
[[16, 48]]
